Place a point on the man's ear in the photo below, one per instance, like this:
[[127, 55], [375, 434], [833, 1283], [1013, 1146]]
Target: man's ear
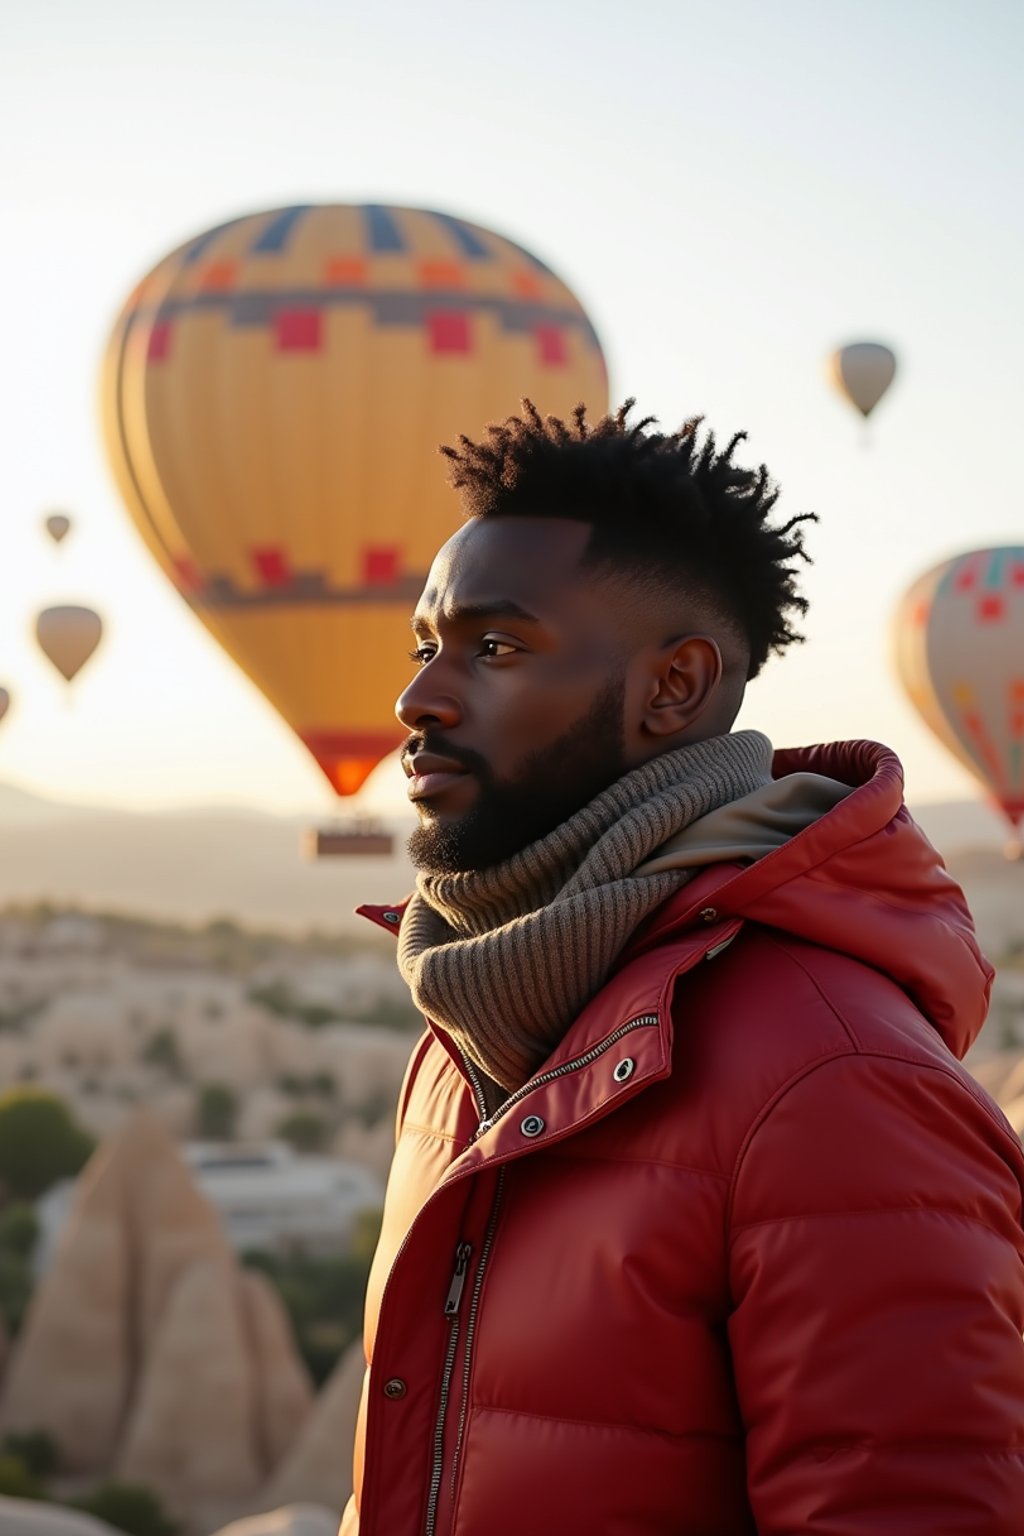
[[688, 673]]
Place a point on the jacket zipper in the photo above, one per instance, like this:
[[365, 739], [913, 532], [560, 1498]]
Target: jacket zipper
[[451, 1310], [645, 1020], [474, 1305], [475, 1083]]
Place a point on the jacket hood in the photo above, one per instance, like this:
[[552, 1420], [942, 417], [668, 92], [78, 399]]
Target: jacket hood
[[862, 879]]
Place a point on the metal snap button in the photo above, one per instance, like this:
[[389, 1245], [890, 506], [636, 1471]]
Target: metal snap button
[[708, 914], [395, 1387], [532, 1125], [624, 1070], [392, 917]]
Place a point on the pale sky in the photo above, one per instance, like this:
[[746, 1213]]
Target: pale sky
[[732, 189]]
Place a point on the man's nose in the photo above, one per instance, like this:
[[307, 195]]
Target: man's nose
[[427, 701]]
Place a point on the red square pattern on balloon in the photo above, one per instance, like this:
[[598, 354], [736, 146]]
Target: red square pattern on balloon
[[991, 607], [551, 346], [189, 577], [381, 564], [159, 346], [448, 331], [297, 330], [271, 564]]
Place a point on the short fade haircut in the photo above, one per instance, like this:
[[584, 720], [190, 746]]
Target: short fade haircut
[[663, 508]]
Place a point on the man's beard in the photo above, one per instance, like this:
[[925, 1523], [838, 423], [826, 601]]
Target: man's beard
[[551, 784]]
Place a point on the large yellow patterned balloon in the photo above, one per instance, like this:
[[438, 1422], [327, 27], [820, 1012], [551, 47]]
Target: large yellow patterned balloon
[[274, 393], [960, 655]]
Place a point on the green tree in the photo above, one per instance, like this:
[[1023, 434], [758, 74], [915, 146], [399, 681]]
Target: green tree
[[161, 1050], [19, 1230], [216, 1112], [16, 1481], [35, 1448], [40, 1142], [16, 1286], [128, 1507], [19, 1233], [304, 1130]]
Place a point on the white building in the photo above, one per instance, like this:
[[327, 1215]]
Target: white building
[[271, 1198]]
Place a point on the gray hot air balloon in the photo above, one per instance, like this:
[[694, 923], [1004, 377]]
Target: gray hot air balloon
[[68, 636], [5, 702], [863, 372], [58, 526]]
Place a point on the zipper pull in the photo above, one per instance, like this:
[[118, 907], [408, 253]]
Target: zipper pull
[[455, 1290]]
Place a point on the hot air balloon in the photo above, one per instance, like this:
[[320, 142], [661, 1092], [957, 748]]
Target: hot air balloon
[[959, 650], [863, 372], [68, 636], [5, 702], [274, 393], [58, 526]]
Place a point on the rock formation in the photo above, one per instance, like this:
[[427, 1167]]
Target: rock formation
[[319, 1465], [171, 1221], [71, 1368], [191, 1435], [147, 1352], [284, 1389], [137, 1223]]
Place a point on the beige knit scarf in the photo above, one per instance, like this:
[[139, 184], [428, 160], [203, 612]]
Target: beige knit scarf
[[504, 958]]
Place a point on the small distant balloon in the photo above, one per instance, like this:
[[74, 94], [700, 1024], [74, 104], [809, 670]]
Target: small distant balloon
[[68, 636], [959, 653], [58, 526], [863, 372], [5, 702]]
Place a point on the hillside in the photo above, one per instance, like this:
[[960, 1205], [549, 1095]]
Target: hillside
[[192, 865], [199, 864]]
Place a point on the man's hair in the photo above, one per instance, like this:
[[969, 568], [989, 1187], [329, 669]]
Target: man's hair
[[666, 508]]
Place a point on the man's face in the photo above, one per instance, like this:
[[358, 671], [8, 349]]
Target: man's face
[[517, 709]]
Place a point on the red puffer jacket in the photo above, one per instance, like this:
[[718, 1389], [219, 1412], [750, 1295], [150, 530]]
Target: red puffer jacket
[[745, 1255]]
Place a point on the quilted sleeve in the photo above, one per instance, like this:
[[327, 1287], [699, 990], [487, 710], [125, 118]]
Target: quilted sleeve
[[876, 1264]]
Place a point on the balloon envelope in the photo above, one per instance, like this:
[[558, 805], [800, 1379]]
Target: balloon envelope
[[58, 525], [68, 636], [274, 394], [863, 372], [5, 702], [959, 643]]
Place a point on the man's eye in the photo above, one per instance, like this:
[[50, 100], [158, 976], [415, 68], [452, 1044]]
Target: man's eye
[[422, 654]]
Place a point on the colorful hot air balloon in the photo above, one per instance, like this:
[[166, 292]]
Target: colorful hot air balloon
[[58, 526], [863, 372], [68, 636], [959, 642], [274, 394], [5, 702]]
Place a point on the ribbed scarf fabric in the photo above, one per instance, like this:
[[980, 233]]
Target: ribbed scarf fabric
[[504, 958]]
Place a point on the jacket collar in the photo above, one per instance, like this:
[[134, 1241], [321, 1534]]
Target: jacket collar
[[620, 1042]]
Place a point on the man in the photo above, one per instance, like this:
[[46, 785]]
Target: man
[[695, 1223]]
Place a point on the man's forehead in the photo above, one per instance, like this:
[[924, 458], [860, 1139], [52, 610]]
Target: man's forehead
[[520, 561]]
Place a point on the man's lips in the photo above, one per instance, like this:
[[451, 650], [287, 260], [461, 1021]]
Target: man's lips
[[429, 775]]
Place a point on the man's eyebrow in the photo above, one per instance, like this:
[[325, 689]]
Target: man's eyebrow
[[491, 608]]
